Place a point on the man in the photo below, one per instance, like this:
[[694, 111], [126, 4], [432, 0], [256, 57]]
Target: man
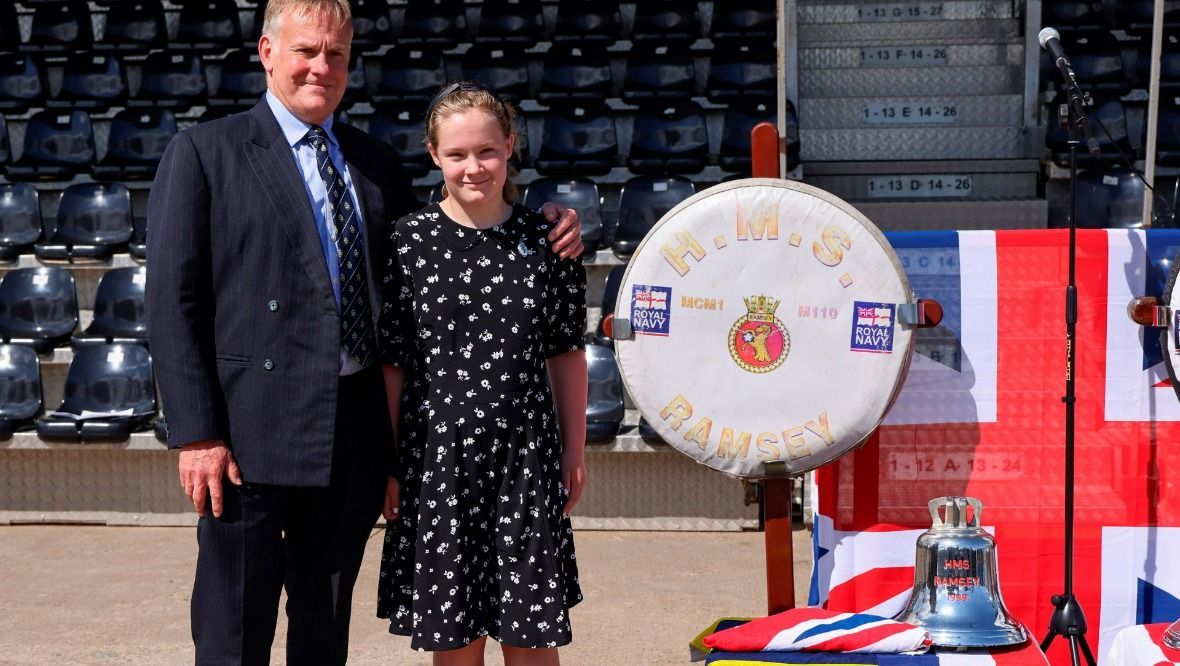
[[264, 249]]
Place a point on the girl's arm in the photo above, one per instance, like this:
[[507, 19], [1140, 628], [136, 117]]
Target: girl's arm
[[567, 380], [394, 378]]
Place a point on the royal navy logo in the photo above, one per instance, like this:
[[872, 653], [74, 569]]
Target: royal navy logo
[[758, 341]]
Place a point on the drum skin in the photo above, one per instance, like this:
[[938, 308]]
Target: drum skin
[[766, 339]]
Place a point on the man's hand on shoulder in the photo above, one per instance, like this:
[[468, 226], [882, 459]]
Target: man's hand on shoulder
[[566, 237], [202, 466]]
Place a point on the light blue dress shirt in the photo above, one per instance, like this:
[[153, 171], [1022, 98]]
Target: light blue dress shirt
[[295, 131]]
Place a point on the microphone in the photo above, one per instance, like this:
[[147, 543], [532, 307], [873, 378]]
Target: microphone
[[1050, 40]]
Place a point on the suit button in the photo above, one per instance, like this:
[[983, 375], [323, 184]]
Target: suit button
[[272, 305], [268, 364]]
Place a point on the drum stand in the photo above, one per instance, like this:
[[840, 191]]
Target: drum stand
[[1068, 620]]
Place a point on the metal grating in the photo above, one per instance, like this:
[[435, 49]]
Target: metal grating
[[933, 113], [912, 143], [867, 82], [957, 55]]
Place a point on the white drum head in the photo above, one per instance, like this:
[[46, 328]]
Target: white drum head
[[766, 337]]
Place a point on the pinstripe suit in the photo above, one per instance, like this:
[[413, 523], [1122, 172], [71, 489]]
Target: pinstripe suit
[[245, 337]]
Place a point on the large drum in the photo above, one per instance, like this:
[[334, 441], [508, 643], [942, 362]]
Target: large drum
[[757, 327]]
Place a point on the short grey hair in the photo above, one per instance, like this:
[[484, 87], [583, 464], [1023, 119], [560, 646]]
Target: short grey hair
[[338, 10]]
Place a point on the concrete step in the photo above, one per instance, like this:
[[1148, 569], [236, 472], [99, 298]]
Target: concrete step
[[888, 113], [965, 180], [956, 215], [918, 81], [913, 143]]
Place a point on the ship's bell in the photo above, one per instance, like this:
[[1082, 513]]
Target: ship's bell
[[956, 596]]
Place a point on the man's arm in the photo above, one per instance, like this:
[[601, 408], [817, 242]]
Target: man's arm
[[179, 310], [565, 239]]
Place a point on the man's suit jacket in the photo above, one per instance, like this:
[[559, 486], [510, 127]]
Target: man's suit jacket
[[242, 322]]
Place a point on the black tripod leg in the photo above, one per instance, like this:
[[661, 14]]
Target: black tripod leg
[[1048, 640], [1086, 651]]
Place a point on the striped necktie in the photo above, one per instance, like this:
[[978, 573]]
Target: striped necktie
[[356, 324]]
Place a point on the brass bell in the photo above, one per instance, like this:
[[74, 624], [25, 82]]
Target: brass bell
[[956, 596]]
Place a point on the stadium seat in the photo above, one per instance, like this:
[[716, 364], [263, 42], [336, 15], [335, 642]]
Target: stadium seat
[[404, 129], [439, 22], [578, 139], [208, 26], [20, 219], [410, 74], [93, 222], [171, 80], [22, 82], [740, 70], [138, 245], [10, 27], [1072, 13], [1109, 198], [604, 398], [371, 24], [109, 394], [582, 22], [1169, 60], [243, 80], [136, 143], [642, 202], [435, 194], [669, 137], [118, 309], [648, 433], [20, 388], [659, 70], [357, 87], [581, 194], [575, 71], [38, 307], [59, 27], [521, 157], [1107, 110], [1097, 59], [517, 22], [134, 26], [1143, 11], [740, 118], [91, 81], [57, 145], [610, 300], [667, 20], [501, 68], [1168, 136], [5, 148], [160, 429], [744, 19]]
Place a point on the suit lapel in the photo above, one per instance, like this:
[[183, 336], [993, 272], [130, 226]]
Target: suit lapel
[[273, 163]]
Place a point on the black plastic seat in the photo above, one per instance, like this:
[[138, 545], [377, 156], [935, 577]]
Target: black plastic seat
[[372, 25], [579, 21], [740, 118], [410, 74], [133, 26], [502, 68], [109, 394], [648, 433], [405, 130], [744, 19], [57, 145], [1168, 134], [20, 219], [92, 81], [138, 245], [118, 309], [581, 194], [517, 22], [1169, 60], [1143, 11], [243, 80], [642, 202], [160, 429], [604, 397], [610, 300], [578, 139], [669, 137], [667, 20], [22, 82], [10, 27], [38, 307], [739, 70], [171, 80], [136, 143], [93, 222], [208, 25], [438, 22], [575, 71], [659, 70], [1107, 110], [60, 27], [1072, 12], [20, 388], [1109, 198], [1097, 59]]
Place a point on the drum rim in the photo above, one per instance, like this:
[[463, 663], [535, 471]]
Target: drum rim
[[866, 224]]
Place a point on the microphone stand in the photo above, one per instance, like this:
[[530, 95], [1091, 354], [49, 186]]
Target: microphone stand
[[1068, 620]]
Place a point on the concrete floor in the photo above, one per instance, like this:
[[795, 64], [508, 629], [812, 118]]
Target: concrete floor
[[103, 595]]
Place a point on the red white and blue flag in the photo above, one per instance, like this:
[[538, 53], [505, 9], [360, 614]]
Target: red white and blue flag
[[980, 414], [819, 630]]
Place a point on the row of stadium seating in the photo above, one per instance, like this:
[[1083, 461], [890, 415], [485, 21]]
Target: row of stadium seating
[[1105, 13], [109, 393], [402, 75], [1115, 61], [211, 25]]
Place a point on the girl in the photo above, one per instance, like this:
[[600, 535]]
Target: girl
[[482, 330]]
